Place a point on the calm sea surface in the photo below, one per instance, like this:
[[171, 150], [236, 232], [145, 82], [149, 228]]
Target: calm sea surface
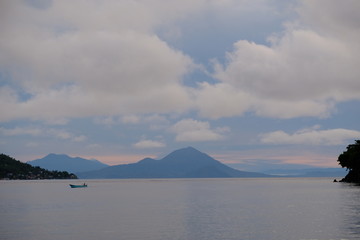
[[189, 209]]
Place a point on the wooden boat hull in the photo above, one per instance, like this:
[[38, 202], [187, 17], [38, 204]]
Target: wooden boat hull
[[78, 186]]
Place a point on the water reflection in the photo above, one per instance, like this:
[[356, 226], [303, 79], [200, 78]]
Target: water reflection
[[183, 209], [351, 209], [277, 209]]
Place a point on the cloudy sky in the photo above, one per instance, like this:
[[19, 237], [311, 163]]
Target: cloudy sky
[[242, 80]]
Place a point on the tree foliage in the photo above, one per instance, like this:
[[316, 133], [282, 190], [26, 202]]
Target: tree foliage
[[350, 159], [11, 168]]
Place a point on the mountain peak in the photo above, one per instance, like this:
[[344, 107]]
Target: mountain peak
[[190, 147], [187, 150], [187, 155], [54, 154], [146, 160], [182, 163], [63, 162]]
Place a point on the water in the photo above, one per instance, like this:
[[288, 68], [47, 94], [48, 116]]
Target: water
[[183, 209]]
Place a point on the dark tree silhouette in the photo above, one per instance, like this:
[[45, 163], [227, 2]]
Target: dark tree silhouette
[[11, 168], [350, 159]]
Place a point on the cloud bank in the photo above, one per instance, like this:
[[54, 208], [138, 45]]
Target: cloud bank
[[126, 65], [55, 133], [190, 130], [311, 136], [108, 60], [146, 143], [304, 71]]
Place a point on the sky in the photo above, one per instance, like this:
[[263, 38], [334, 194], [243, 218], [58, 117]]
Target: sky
[[275, 81]]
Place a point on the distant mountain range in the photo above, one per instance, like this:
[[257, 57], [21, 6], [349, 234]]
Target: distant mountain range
[[12, 169], [62, 162], [182, 163], [289, 170], [308, 172]]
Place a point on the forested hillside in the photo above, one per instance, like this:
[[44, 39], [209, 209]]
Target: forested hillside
[[11, 169]]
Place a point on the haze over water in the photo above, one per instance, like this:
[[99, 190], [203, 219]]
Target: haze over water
[[189, 209]]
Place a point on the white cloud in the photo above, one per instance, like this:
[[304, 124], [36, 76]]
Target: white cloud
[[190, 130], [331, 17], [113, 120], [21, 131], [221, 100], [107, 121], [80, 138], [311, 136], [42, 132], [304, 72], [64, 135], [57, 121], [157, 122], [103, 60], [146, 143], [98, 58], [132, 119], [59, 133], [293, 109]]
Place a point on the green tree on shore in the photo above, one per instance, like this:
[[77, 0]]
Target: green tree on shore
[[350, 159]]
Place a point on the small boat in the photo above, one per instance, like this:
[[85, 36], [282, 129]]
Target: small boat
[[78, 186]]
